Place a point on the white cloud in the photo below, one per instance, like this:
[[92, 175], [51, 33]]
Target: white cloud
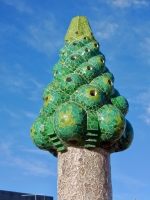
[[36, 83], [30, 114], [140, 2], [42, 33], [35, 151], [20, 6], [128, 3], [121, 3], [5, 148], [16, 117], [5, 29], [32, 167], [148, 109], [34, 95], [11, 113], [145, 46], [121, 196], [44, 36], [13, 78], [28, 166], [36, 90], [144, 100], [145, 118], [129, 180], [104, 29], [17, 80]]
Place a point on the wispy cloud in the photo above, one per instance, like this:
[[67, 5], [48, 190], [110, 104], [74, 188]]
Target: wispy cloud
[[16, 115], [29, 114], [13, 78], [17, 80], [32, 167], [11, 113], [121, 3], [35, 151], [104, 29], [128, 3], [44, 35], [20, 6], [121, 196], [36, 90], [145, 46], [148, 108], [5, 147], [129, 180], [145, 118], [140, 3], [7, 28], [41, 33], [144, 100], [28, 166]]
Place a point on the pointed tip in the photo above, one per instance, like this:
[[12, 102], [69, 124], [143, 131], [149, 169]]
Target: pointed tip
[[78, 29]]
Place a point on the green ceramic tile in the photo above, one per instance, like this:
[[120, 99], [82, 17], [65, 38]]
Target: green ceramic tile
[[81, 107]]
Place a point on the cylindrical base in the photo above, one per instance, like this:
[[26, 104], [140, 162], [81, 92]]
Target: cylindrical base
[[84, 174]]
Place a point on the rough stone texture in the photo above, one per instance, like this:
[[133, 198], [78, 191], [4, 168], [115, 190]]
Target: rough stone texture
[[84, 174]]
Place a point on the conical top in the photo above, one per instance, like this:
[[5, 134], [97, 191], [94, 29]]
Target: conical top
[[81, 107], [79, 28]]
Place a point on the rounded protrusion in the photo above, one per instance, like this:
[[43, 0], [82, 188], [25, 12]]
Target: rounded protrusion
[[71, 82], [60, 70], [74, 46], [63, 53], [105, 84], [111, 123], [40, 131], [124, 142], [73, 61], [54, 85], [89, 96], [56, 67], [70, 122], [121, 103], [109, 75], [69, 49], [115, 93], [94, 47], [85, 40], [85, 52], [88, 71], [98, 62], [106, 69], [52, 100]]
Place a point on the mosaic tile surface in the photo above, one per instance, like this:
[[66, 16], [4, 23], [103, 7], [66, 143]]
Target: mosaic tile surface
[[84, 174], [70, 121], [81, 106]]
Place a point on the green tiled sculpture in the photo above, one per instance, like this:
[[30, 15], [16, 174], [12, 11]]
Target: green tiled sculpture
[[81, 106]]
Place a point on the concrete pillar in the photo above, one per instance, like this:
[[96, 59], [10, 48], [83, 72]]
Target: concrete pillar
[[84, 174]]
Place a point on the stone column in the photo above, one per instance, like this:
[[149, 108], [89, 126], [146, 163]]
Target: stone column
[[84, 174]]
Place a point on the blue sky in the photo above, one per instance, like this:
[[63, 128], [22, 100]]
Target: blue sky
[[31, 34]]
